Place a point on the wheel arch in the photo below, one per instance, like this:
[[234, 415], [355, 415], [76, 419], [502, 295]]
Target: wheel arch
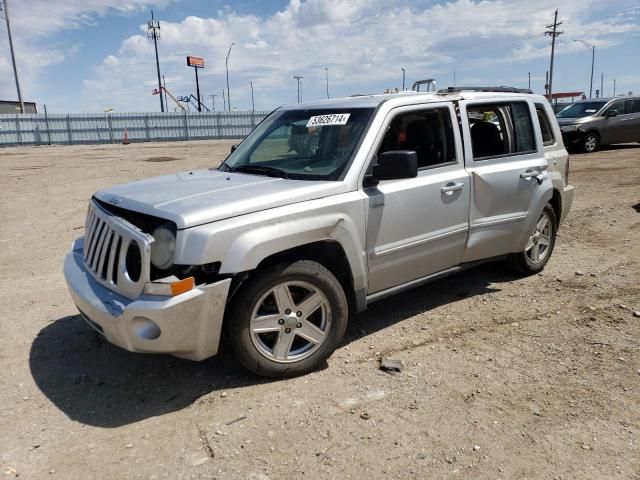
[[556, 204]]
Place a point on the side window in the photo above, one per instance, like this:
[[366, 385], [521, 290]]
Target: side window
[[500, 129], [428, 132], [545, 126], [618, 106], [632, 106]]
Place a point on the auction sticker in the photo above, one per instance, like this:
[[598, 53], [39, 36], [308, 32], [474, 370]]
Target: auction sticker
[[326, 120]]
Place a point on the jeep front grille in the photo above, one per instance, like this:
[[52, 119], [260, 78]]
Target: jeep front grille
[[116, 252]]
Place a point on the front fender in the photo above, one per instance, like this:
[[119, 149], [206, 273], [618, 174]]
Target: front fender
[[241, 243], [253, 246]]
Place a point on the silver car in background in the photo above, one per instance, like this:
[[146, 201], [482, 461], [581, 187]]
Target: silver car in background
[[588, 124]]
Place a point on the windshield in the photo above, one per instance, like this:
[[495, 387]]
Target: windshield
[[581, 109], [301, 144]]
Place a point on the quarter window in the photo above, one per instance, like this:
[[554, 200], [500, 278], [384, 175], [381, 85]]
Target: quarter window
[[545, 126], [427, 132], [500, 129]]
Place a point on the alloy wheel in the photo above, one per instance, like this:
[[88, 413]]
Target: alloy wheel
[[290, 321]]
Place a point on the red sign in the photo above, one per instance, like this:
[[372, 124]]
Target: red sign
[[197, 62]]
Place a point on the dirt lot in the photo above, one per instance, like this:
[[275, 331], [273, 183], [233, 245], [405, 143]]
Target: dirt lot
[[504, 377]]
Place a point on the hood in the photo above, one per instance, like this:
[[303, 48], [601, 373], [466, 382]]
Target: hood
[[203, 196]]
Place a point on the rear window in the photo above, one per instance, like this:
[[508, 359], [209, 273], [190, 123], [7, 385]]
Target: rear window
[[500, 129], [545, 126]]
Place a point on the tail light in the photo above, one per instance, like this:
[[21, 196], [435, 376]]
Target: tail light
[[566, 171]]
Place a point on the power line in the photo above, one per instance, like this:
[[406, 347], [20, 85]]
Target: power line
[[153, 32], [552, 31], [13, 56]]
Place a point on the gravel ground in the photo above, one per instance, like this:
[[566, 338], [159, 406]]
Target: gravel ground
[[504, 377]]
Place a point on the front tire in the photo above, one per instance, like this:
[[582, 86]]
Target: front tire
[[590, 142], [287, 319], [539, 246]]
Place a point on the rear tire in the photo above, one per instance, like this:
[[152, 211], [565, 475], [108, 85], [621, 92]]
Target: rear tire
[[287, 319], [590, 142], [539, 245]]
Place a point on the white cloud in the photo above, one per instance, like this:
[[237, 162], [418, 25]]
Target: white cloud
[[362, 42], [33, 22]]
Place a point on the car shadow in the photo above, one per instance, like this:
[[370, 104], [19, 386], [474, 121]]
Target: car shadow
[[620, 146], [98, 384]]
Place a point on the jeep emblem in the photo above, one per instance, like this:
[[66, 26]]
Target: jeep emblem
[[115, 199]]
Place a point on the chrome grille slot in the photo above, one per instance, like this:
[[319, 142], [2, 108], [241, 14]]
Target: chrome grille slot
[[106, 239]]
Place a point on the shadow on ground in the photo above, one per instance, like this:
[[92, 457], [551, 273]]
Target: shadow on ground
[[96, 383]]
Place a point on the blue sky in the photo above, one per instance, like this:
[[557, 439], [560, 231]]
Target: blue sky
[[88, 55]]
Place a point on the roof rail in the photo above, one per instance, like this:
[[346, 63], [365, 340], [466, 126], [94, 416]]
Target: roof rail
[[485, 89]]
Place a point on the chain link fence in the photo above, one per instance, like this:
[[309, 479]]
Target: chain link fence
[[78, 129]]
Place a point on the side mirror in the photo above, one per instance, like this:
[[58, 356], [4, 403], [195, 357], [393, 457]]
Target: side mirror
[[233, 148], [396, 164], [611, 113]]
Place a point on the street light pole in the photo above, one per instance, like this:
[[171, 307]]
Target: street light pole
[[253, 105], [227, 65], [298, 78], [326, 74], [593, 61], [614, 87], [13, 56], [403, 78], [213, 102], [529, 80]]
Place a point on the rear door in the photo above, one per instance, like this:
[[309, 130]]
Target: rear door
[[631, 121], [508, 171], [613, 128]]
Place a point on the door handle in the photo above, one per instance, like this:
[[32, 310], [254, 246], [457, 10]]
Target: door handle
[[451, 187], [538, 175], [530, 174]]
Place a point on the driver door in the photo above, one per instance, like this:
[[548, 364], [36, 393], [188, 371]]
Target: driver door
[[418, 226]]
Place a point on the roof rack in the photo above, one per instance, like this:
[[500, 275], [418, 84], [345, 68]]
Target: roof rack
[[485, 89]]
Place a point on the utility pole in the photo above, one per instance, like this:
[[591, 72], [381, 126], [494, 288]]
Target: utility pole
[[253, 105], [454, 74], [13, 56], [552, 31], [298, 78], [224, 101], [529, 80], [403, 78], [153, 32], [614, 87], [326, 74], [213, 102], [227, 65]]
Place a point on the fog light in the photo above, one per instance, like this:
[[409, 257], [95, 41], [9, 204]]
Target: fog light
[[146, 328]]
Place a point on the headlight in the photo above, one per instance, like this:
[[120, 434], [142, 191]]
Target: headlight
[[164, 246], [570, 128]]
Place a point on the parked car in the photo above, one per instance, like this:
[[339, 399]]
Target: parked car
[[290, 237], [588, 124]]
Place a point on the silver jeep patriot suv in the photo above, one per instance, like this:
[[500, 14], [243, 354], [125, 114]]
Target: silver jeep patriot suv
[[324, 208]]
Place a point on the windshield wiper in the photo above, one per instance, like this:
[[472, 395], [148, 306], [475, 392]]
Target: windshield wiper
[[260, 170]]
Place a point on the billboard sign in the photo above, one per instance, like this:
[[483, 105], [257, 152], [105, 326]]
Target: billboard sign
[[197, 62]]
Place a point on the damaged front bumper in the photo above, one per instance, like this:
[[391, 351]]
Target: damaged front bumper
[[186, 326]]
